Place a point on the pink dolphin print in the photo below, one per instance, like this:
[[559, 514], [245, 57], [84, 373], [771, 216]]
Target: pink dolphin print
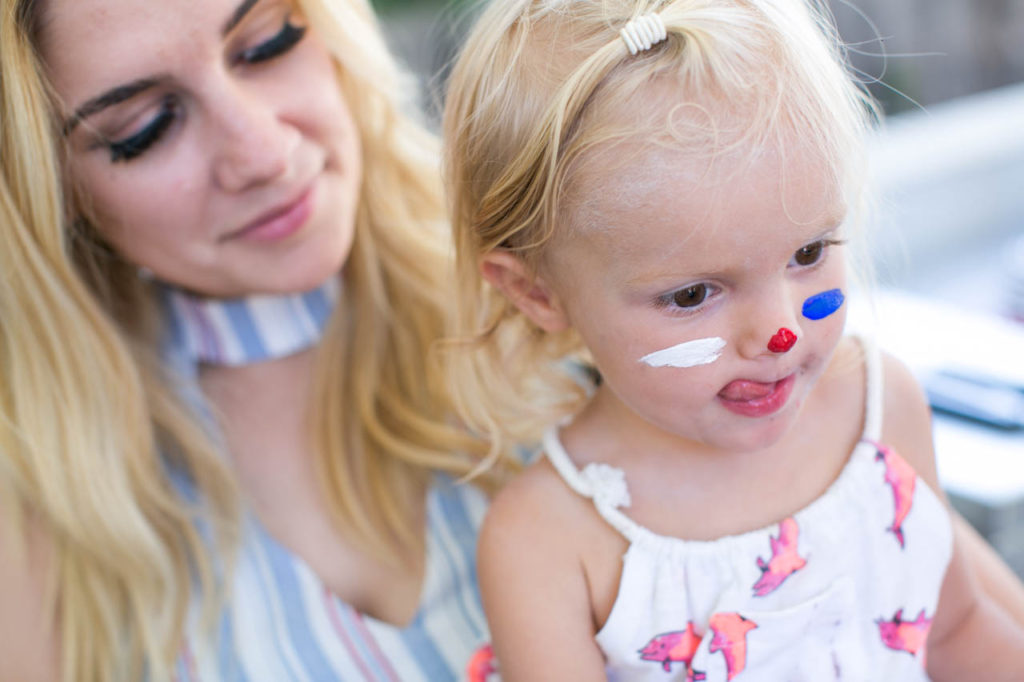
[[909, 636], [481, 664], [902, 477], [731, 639], [785, 559], [678, 646]]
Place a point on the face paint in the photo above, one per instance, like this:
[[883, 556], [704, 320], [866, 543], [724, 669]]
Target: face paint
[[824, 304], [782, 341], [688, 354]]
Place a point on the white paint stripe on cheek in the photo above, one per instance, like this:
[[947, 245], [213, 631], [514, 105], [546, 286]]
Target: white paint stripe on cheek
[[688, 354]]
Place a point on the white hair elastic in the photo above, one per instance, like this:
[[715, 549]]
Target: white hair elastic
[[641, 33]]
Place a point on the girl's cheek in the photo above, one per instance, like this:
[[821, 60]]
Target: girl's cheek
[[823, 304], [693, 353]]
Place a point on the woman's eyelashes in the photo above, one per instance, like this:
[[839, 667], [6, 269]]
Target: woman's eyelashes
[[812, 253], [285, 39], [130, 147]]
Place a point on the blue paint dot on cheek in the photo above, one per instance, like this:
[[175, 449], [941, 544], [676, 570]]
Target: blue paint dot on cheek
[[824, 304]]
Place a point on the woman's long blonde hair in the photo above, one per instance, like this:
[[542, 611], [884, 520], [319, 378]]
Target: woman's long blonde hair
[[93, 430], [528, 104]]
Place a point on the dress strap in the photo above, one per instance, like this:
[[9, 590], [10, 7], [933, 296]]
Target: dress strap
[[874, 400], [604, 484]]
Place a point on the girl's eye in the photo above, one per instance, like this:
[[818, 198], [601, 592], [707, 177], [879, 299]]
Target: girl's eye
[[813, 252], [690, 297], [809, 255], [287, 38], [130, 147]]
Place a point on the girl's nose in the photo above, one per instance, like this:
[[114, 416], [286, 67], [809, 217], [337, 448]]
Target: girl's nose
[[782, 340], [768, 324], [252, 144]]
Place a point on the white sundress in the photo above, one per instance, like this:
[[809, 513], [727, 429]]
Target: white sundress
[[844, 589]]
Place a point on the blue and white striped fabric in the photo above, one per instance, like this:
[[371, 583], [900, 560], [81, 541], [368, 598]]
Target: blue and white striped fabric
[[284, 626], [250, 329]]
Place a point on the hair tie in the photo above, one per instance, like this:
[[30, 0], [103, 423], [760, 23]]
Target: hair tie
[[641, 33]]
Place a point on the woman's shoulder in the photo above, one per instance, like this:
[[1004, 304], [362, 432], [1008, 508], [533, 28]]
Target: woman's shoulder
[[28, 640]]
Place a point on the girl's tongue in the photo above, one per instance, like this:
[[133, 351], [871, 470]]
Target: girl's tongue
[[743, 390]]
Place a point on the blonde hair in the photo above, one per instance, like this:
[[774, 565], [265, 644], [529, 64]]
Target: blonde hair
[[527, 103], [93, 432]]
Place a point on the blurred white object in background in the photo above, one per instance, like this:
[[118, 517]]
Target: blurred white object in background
[[1013, 274], [949, 250], [950, 188]]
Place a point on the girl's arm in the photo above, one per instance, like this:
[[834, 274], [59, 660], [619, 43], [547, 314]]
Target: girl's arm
[[28, 643], [996, 579], [533, 583], [972, 635]]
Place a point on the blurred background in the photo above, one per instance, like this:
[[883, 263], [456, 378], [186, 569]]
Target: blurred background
[[947, 233], [925, 51]]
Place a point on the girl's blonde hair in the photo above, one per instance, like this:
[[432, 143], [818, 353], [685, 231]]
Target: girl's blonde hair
[[98, 452], [529, 101]]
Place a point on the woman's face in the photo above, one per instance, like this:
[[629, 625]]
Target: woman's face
[[208, 139]]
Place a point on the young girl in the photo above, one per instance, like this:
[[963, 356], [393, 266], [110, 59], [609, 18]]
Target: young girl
[[745, 493]]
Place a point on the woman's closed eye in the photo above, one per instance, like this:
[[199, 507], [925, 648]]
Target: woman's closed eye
[[811, 254], [288, 37], [130, 147]]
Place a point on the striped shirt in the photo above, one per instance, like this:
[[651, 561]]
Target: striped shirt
[[282, 624]]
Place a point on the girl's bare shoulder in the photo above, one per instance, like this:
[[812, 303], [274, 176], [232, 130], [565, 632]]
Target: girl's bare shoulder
[[538, 506], [906, 419]]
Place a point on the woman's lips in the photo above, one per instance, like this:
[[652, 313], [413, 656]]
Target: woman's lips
[[755, 398], [280, 223]]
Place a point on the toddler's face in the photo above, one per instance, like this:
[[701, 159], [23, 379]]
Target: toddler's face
[[721, 257]]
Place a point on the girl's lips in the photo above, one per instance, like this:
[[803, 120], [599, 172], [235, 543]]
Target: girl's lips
[[281, 223], [754, 398]]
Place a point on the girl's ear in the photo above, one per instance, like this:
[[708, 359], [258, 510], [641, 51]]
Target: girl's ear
[[527, 291]]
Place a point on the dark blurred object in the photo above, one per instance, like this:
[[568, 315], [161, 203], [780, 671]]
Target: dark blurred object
[[983, 399], [921, 51], [933, 50]]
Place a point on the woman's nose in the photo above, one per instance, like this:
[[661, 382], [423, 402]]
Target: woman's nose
[[251, 144]]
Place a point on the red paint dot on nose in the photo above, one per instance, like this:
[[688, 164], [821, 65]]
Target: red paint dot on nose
[[782, 341]]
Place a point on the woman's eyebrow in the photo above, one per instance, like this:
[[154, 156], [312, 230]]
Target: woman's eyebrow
[[124, 92], [107, 99], [237, 16]]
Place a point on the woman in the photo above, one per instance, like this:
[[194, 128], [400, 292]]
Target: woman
[[182, 184]]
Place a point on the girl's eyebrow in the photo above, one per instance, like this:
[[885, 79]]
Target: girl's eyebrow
[[107, 99]]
